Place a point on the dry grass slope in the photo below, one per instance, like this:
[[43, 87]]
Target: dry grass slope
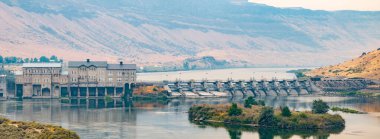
[[31, 130], [365, 66]]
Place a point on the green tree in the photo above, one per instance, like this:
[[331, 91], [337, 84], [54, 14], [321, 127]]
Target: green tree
[[266, 117], [249, 102], [186, 65], [44, 59], [261, 102], [19, 60], [26, 60], [54, 58], [286, 112], [1, 59], [11, 59], [234, 110], [35, 60], [320, 107], [155, 89]]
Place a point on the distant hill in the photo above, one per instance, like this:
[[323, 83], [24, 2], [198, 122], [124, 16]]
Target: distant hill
[[207, 62], [365, 66], [167, 32]]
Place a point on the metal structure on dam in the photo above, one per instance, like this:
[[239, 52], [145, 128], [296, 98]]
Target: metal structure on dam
[[245, 88]]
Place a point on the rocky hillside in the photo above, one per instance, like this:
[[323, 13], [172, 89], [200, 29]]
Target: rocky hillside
[[204, 62], [159, 32], [365, 66]]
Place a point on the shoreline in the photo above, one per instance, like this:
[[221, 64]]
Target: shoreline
[[23, 129], [253, 117]]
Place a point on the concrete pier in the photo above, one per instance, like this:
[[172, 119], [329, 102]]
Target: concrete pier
[[239, 88]]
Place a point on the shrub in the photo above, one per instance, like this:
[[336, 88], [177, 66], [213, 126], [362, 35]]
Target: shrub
[[261, 102], [21, 130], [155, 89], [320, 107], [58, 134], [234, 110], [266, 117], [3, 120], [286, 112], [303, 115], [346, 110], [249, 102]]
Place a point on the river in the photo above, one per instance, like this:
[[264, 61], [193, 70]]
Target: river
[[168, 119], [219, 74], [96, 118]]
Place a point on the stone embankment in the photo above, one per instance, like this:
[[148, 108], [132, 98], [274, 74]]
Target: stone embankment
[[343, 85]]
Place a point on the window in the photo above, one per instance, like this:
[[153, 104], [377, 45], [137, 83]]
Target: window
[[110, 79], [118, 79], [101, 79]]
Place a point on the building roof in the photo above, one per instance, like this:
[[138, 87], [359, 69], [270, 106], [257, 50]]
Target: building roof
[[18, 72], [41, 65], [122, 66], [76, 64], [64, 73]]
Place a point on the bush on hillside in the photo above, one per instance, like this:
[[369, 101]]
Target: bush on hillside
[[320, 107], [249, 102], [266, 117], [234, 110], [261, 102], [286, 112]]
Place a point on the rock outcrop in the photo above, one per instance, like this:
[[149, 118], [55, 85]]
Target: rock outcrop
[[365, 66]]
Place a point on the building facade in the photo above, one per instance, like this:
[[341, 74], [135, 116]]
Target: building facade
[[3, 86], [3, 82], [40, 80], [82, 79]]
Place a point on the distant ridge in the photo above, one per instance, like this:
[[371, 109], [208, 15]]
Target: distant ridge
[[365, 66], [167, 32]]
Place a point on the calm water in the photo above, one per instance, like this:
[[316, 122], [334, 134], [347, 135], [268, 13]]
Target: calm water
[[220, 74], [168, 119]]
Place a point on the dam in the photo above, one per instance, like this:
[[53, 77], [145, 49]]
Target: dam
[[217, 88]]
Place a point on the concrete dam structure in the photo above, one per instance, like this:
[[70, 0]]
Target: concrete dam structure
[[240, 88]]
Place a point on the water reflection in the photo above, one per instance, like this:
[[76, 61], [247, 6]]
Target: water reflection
[[235, 132], [99, 118], [91, 118], [96, 103]]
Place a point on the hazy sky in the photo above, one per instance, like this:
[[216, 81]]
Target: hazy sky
[[362, 5]]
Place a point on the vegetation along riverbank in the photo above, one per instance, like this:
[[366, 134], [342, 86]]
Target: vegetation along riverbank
[[31, 130], [261, 116], [346, 110], [358, 94]]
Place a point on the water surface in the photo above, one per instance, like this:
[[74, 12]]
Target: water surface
[[220, 74], [168, 119]]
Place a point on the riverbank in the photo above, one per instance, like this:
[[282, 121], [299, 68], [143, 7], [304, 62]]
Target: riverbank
[[17, 129], [347, 110], [261, 116], [364, 93]]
